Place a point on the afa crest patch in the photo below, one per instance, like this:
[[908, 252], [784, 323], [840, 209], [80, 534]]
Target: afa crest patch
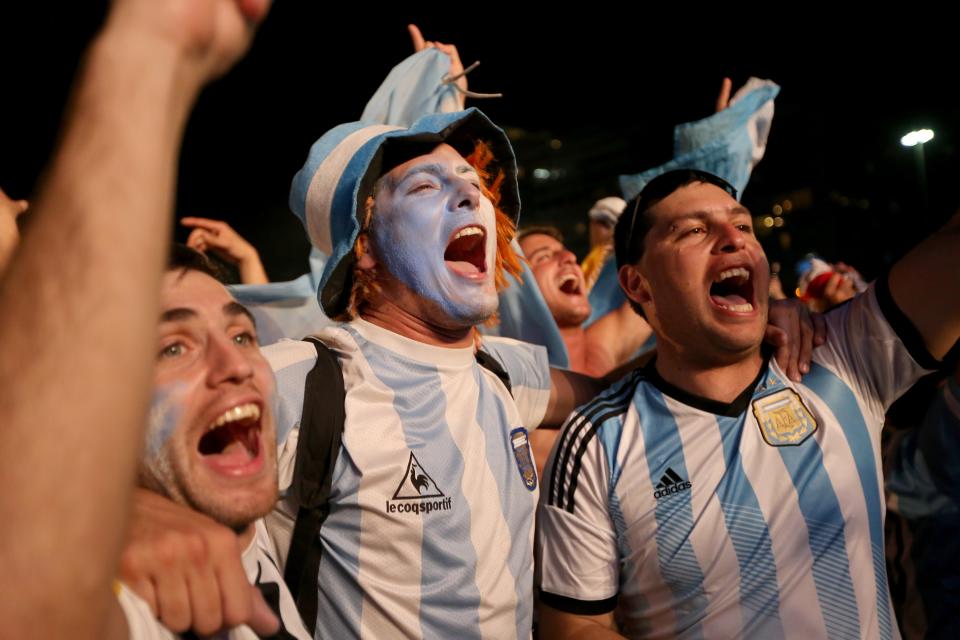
[[520, 443], [783, 419]]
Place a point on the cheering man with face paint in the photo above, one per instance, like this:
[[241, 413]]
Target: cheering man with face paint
[[430, 529], [708, 495], [211, 437]]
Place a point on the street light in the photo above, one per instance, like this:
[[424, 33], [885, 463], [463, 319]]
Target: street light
[[917, 139]]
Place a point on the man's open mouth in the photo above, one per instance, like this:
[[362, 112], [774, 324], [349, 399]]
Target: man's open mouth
[[570, 284], [466, 253], [733, 290], [232, 441]]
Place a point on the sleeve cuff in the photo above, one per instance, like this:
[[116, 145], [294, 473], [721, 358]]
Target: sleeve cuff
[[902, 325], [578, 607]]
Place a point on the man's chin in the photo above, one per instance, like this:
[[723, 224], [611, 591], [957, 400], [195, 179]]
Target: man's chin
[[470, 313]]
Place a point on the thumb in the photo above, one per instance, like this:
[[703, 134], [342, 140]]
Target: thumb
[[263, 620]]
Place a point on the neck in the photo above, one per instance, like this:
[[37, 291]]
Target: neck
[[575, 339], [245, 536], [721, 381], [389, 316]]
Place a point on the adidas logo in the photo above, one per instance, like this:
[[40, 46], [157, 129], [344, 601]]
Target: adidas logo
[[670, 483]]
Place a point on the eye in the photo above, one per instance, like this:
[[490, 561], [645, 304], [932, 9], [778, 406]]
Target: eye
[[170, 351], [421, 187], [245, 339], [745, 228], [698, 230]]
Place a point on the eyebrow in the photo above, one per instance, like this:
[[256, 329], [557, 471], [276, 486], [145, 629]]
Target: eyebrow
[[436, 169], [234, 308], [703, 215], [177, 315], [181, 314], [539, 249]]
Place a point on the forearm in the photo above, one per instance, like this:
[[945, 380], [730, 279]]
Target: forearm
[[78, 310], [251, 269], [925, 284]]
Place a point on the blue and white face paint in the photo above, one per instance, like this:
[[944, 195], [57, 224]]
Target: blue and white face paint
[[166, 410], [435, 232]]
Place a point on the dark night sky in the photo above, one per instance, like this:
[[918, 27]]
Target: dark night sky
[[610, 86]]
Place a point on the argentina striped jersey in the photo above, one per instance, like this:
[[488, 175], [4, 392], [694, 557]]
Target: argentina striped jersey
[[430, 532], [759, 518]]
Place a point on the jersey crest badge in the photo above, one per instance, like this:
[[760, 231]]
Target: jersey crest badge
[[520, 443], [783, 418]]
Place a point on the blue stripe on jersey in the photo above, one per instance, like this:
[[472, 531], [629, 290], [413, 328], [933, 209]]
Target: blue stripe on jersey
[[748, 532], [341, 598], [452, 599], [517, 513], [838, 395], [821, 512], [290, 386], [674, 513]]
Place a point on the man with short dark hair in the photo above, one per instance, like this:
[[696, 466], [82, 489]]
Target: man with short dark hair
[[707, 494], [210, 442]]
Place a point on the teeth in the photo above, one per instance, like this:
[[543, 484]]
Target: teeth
[[241, 412], [733, 273], [468, 231], [567, 278], [741, 308]]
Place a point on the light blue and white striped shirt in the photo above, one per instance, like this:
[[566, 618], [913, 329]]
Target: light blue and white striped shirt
[[430, 532], [762, 518]]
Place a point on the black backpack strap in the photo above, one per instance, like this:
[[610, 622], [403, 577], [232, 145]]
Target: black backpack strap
[[492, 365], [321, 431]]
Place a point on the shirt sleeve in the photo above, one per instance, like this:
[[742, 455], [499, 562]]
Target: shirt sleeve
[[578, 557], [873, 345], [529, 371]]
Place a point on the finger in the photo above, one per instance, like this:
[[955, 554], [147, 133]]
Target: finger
[[262, 619], [416, 37], [793, 336], [254, 10], [20, 206], [723, 100], [819, 328], [197, 240], [173, 601], [234, 588], [214, 226], [144, 590], [830, 290], [777, 338], [806, 342], [205, 600]]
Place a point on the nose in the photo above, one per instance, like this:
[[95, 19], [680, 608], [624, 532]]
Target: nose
[[729, 239], [227, 361], [467, 195], [566, 257]]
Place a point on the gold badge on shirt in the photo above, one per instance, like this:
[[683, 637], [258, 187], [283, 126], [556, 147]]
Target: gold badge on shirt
[[783, 418]]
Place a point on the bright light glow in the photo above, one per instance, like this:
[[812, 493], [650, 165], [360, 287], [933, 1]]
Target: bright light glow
[[919, 136]]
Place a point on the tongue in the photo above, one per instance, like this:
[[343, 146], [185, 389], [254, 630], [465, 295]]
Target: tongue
[[462, 266], [234, 454], [731, 300]]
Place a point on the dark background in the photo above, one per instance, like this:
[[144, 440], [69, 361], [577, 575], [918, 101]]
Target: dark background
[[608, 86]]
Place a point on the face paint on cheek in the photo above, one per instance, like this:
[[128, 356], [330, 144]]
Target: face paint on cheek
[[411, 241], [165, 411]]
